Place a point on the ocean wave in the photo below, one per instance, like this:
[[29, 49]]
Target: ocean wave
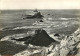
[[17, 36], [68, 18], [1, 29], [63, 18]]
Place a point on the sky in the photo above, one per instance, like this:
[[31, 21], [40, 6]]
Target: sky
[[40, 4]]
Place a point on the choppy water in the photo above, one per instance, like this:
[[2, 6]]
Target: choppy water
[[64, 22], [13, 18]]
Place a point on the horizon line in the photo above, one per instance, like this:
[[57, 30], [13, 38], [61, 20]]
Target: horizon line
[[40, 9]]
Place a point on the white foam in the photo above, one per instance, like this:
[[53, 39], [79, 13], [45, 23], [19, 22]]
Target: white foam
[[5, 38], [23, 53], [63, 18], [1, 28], [54, 37]]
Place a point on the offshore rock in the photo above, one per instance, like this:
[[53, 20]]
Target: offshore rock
[[40, 38], [69, 45]]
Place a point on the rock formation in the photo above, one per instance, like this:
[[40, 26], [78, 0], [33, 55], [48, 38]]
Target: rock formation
[[40, 38], [69, 46]]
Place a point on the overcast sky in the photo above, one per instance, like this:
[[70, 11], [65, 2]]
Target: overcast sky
[[40, 4]]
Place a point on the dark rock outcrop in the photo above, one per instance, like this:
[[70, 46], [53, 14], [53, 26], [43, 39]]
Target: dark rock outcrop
[[35, 14], [56, 34], [41, 20], [40, 38]]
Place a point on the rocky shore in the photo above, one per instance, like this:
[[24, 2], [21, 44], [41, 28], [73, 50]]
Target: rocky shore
[[67, 46]]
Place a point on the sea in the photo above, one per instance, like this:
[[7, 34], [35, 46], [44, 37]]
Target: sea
[[64, 22]]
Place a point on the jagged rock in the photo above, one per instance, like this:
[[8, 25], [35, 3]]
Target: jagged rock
[[41, 20], [40, 38], [55, 51], [56, 34], [67, 45], [33, 15]]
